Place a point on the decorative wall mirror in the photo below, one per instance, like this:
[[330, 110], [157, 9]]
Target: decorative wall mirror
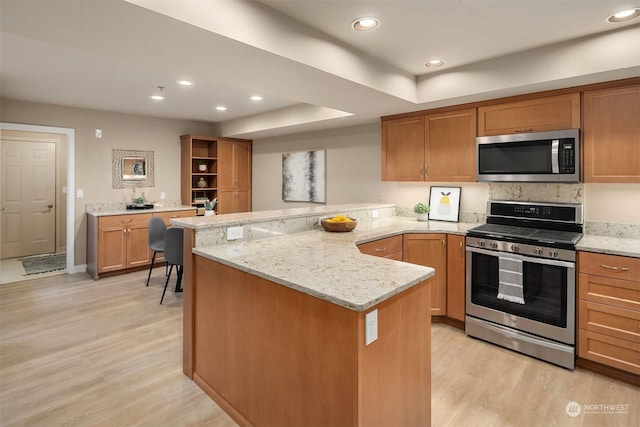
[[132, 168]]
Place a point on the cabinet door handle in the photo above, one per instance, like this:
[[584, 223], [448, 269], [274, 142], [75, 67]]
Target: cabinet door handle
[[426, 170], [421, 171], [525, 130], [444, 246], [610, 267], [461, 250]]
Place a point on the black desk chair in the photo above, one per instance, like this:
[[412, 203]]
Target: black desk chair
[[173, 255], [156, 233]]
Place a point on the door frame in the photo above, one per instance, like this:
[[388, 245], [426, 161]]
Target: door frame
[[71, 143]]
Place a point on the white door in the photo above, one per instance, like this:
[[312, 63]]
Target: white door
[[28, 198]]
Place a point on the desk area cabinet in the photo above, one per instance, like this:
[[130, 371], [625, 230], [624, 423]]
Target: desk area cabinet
[[118, 243]]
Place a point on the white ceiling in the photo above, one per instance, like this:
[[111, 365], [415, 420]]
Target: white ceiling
[[302, 56]]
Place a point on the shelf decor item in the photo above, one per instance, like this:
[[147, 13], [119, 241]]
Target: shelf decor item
[[422, 211], [209, 206], [202, 183], [202, 166], [445, 203]]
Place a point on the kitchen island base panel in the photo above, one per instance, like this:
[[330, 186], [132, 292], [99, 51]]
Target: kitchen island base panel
[[271, 355]]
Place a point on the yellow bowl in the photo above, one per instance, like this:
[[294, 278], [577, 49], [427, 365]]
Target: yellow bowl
[[338, 227]]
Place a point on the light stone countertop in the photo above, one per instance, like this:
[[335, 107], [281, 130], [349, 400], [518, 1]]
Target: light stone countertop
[[609, 245], [202, 222], [325, 265], [329, 265], [155, 209]]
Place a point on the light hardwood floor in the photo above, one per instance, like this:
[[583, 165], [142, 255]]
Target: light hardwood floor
[[78, 352]]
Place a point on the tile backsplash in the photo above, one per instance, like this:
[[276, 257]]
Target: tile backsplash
[[537, 192]]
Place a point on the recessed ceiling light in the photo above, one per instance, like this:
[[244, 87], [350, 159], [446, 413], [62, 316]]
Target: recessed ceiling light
[[256, 98], [184, 83], [434, 63], [624, 15], [158, 96], [365, 23], [221, 108]]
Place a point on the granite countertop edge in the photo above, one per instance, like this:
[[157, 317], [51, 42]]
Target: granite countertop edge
[[140, 211]]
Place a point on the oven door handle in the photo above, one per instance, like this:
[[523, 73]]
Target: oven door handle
[[545, 261], [483, 251], [525, 258]]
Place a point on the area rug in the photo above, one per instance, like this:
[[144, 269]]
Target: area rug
[[44, 263]]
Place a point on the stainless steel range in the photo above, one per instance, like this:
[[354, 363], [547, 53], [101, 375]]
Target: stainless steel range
[[521, 278]]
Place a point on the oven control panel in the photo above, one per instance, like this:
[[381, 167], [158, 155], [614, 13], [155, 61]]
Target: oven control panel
[[522, 249]]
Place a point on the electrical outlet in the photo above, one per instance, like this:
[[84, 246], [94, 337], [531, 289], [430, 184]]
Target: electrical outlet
[[370, 327], [79, 194], [234, 233], [375, 213], [163, 195]]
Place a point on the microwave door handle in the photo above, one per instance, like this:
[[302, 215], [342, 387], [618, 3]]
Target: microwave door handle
[[555, 153]]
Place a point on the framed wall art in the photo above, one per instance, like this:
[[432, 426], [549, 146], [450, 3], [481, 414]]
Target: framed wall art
[[303, 177], [132, 168], [444, 203]]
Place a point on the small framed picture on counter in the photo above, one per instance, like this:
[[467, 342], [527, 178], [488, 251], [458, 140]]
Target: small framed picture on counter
[[444, 203]]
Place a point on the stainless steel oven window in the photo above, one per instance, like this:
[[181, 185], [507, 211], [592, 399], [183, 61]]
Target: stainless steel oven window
[[549, 293]]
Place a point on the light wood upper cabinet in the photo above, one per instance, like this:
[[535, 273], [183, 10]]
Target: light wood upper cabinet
[[430, 250], [434, 147], [534, 115], [450, 142], [234, 175], [611, 135], [403, 149]]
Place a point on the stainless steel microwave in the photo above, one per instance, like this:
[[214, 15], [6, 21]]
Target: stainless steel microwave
[[529, 157]]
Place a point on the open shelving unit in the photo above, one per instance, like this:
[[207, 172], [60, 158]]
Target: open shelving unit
[[197, 151]]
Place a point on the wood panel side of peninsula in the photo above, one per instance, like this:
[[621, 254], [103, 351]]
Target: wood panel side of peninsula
[[271, 355]]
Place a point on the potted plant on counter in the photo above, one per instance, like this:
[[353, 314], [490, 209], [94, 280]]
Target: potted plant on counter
[[422, 211], [209, 206]]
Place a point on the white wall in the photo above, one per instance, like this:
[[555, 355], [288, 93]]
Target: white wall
[[353, 171], [354, 175]]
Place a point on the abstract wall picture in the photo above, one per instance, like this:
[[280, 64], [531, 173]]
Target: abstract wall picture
[[444, 203], [303, 176]]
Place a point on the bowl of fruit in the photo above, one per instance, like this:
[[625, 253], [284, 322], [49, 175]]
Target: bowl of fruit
[[339, 223]]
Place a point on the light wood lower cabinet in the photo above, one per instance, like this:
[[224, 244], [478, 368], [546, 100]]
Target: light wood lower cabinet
[[430, 250], [609, 310], [118, 243], [456, 276], [389, 247]]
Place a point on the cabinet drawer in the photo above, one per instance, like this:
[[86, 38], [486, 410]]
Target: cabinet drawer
[[613, 321], [605, 290], [611, 351], [618, 267], [119, 220], [166, 216], [382, 247]]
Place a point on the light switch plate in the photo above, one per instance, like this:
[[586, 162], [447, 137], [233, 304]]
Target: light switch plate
[[234, 233], [370, 327]]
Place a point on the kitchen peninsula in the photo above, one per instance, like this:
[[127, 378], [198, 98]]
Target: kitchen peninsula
[[275, 327]]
